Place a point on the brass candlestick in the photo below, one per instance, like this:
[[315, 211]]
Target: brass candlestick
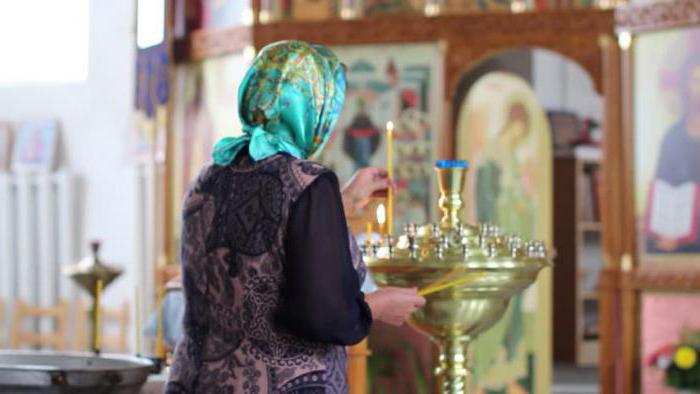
[[86, 274], [468, 273]]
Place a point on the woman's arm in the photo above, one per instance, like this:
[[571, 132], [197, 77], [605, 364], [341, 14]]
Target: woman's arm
[[363, 184], [321, 298]]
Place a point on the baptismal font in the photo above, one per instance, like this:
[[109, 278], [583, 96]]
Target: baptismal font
[[468, 274]]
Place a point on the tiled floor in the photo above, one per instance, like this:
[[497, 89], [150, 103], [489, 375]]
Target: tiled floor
[[573, 380]]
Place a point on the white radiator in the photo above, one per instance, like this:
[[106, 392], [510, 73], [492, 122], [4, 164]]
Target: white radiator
[[37, 237]]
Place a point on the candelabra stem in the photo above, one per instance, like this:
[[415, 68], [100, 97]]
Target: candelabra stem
[[94, 345], [452, 374]]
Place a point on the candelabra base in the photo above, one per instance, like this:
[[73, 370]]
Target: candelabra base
[[452, 371]]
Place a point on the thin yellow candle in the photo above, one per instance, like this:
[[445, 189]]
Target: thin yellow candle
[[160, 352], [137, 315], [381, 217], [390, 174], [98, 315], [452, 274], [457, 282], [370, 232]]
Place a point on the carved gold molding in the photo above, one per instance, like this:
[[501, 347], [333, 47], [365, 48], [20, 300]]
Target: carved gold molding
[[658, 278], [657, 15]]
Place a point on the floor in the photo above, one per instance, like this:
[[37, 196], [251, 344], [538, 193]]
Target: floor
[[569, 379]]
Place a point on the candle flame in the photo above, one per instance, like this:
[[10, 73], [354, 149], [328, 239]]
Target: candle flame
[[389, 126], [381, 214]]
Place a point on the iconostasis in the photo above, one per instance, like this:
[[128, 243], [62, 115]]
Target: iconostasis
[[660, 283]]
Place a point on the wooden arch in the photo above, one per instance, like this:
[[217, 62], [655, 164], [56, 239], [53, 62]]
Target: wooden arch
[[457, 91], [574, 35], [467, 66], [467, 38]]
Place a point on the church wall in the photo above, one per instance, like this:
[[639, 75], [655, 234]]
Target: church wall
[[95, 118]]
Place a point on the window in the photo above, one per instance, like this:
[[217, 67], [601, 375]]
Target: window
[[150, 23], [44, 41]]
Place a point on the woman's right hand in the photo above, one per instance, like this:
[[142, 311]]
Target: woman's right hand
[[363, 184], [393, 305]]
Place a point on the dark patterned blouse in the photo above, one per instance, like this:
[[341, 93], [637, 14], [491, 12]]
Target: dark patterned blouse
[[271, 279]]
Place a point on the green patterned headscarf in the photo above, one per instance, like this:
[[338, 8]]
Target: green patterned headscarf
[[289, 102]]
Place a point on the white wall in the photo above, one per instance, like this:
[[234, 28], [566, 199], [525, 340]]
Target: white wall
[[95, 117], [561, 84]]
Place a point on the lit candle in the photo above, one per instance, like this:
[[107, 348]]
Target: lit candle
[[98, 315], [390, 174], [160, 352], [137, 314], [381, 217], [370, 232]]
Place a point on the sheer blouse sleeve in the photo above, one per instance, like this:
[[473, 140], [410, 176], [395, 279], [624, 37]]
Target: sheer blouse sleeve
[[321, 298]]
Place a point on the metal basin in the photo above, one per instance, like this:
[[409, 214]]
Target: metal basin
[[23, 372]]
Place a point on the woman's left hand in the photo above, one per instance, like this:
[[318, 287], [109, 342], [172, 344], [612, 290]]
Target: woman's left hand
[[361, 186]]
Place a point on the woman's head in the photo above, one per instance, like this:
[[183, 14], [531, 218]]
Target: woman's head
[[289, 102]]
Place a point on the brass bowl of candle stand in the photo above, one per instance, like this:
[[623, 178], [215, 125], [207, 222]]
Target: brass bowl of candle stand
[[86, 274], [473, 272]]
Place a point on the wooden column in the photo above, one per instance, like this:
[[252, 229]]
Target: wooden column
[[630, 335], [609, 310], [357, 367], [612, 203]]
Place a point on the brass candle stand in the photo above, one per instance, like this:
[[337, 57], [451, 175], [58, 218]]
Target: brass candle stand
[[468, 274], [86, 274]]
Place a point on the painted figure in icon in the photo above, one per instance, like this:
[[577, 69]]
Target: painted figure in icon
[[503, 131], [675, 188], [362, 137], [505, 176]]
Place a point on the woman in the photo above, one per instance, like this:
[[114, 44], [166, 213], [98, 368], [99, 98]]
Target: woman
[[271, 275]]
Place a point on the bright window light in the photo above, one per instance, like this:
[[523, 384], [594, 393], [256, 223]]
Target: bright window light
[[44, 41], [150, 25]]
